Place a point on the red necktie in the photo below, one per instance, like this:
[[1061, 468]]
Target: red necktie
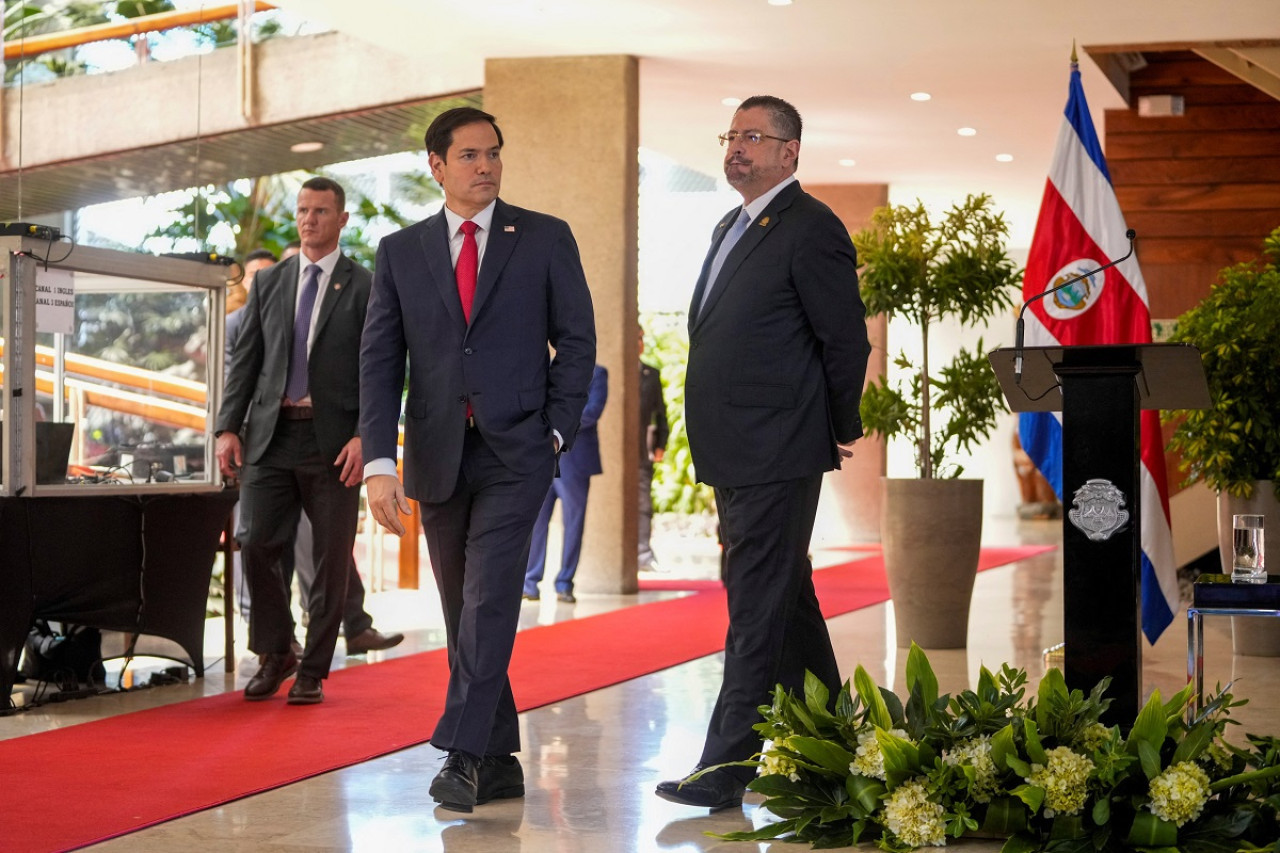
[[468, 264]]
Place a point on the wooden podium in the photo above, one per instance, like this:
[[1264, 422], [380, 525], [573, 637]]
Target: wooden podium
[[1100, 391]]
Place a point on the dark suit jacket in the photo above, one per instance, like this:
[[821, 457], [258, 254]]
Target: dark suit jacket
[[530, 290], [778, 354], [653, 414], [260, 366], [584, 459]]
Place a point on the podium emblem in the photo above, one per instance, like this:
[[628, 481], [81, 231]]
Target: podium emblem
[[1097, 510]]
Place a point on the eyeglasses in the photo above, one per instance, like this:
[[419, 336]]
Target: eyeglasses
[[751, 138]]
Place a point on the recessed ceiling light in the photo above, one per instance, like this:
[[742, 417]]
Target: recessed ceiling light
[[1004, 158], [967, 131], [920, 96], [306, 147], [779, 2], [731, 102], [847, 162]]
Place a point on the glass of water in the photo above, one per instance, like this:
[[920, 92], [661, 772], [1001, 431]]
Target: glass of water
[[1248, 554]]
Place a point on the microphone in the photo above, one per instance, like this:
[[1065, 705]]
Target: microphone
[[1021, 328], [207, 257]]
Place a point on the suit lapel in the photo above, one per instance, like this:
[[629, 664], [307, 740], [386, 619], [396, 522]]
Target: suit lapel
[[752, 237], [288, 291], [499, 244], [337, 286], [435, 245], [717, 237]]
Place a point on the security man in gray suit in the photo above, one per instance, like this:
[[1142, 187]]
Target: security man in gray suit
[[294, 386], [777, 353]]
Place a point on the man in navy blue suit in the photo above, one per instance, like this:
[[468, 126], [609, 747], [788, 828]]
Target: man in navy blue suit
[[474, 295], [571, 488]]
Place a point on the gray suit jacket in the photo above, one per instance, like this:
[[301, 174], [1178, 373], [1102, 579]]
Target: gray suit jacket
[[531, 290], [260, 366], [778, 354]]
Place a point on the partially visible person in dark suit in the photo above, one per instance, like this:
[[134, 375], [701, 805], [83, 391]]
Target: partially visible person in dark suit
[[777, 354], [258, 259], [294, 388], [571, 488], [473, 296], [653, 444]]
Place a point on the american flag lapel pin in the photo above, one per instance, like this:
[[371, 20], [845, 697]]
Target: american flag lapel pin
[[510, 229]]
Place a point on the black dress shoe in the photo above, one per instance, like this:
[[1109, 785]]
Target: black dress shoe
[[306, 691], [716, 790], [501, 778], [372, 640], [267, 680], [566, 597], [456, 784]]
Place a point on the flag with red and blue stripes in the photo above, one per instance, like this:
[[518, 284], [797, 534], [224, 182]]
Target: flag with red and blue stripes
[[1081, 228]]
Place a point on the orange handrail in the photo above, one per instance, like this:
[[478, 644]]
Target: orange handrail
[[46, 42], [123, 374]]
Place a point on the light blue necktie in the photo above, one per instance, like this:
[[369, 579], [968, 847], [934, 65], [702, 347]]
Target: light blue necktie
[[726, 245], [296, 386]]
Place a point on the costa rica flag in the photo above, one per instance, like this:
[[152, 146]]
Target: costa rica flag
[[1081, 228]]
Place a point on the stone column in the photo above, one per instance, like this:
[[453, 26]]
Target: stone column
[[571, 127], [849, 511]]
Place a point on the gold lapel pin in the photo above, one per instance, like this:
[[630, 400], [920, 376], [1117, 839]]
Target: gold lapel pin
[[337, 285], [764, 222]]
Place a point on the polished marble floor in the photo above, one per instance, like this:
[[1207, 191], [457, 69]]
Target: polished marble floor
[[591, 762]]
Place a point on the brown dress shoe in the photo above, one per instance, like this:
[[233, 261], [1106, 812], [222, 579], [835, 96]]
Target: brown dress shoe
[[306, 691], [372, 640], [267, 680]]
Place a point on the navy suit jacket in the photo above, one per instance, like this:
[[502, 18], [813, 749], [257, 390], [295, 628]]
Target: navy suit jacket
[[260, 365], [778, 354], [584, 460], [530, 291]]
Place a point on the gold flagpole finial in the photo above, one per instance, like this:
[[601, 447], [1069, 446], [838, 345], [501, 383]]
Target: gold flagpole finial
[[1074, 59]]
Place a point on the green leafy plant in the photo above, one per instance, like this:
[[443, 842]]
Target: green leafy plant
[[675, 486], [927, 271], [1042, 772], [1236, 442]]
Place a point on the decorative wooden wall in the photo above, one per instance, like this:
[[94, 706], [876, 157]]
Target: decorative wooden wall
[[1201, 189]]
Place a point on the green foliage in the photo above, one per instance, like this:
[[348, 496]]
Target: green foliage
[[1236, 442], [1043, 772], [926, 272], [675, 488]]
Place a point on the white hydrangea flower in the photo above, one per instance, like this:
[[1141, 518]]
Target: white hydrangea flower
[[776, 764], [976, 752], [1063, 780], [1179, 793], [868, 760], [915, 819]]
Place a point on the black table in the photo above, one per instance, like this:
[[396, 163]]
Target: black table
[[131, 563], [1218, 595]]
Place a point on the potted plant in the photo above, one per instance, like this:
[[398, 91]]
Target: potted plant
[[928, 272], [1234, 446]]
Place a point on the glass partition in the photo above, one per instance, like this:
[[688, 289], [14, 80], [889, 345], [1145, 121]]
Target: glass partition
[[119, 349]]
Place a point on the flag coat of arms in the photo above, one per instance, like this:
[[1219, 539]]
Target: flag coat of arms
[[1080, 228]]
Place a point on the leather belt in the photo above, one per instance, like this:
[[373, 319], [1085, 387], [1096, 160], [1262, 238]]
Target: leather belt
[[297, 413]]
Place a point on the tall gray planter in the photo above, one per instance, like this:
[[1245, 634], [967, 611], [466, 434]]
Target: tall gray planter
[[1258, 636], [931, 531]]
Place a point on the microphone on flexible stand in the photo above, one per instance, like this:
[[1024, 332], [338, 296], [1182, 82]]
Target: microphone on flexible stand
[[1019, 332]]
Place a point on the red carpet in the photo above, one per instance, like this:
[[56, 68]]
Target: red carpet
[[71, 787]]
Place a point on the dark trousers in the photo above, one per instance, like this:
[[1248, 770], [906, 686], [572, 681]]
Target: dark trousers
[[644, 527], [292, 475], [478, 540], [776, 630], [355, 619], [572, 493]]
